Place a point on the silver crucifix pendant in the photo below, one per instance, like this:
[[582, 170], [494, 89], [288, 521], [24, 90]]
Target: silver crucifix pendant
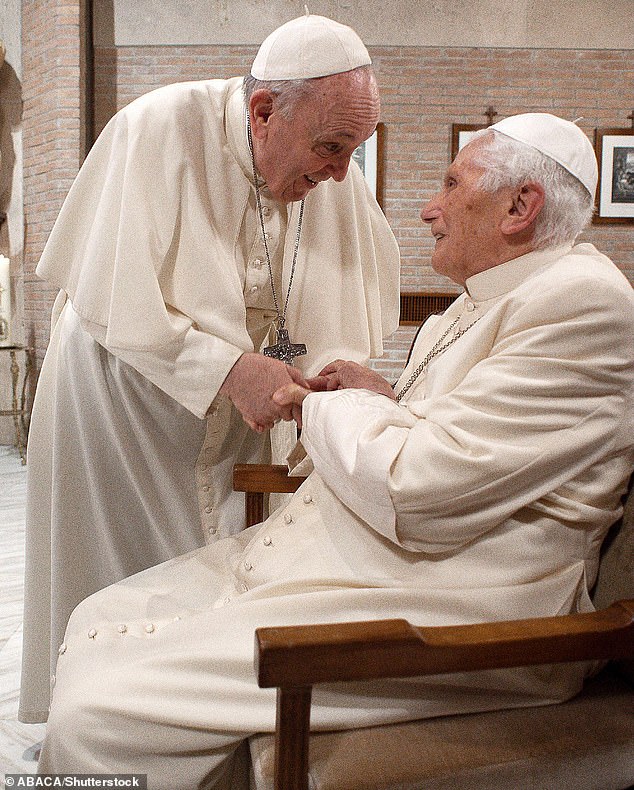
[[284, 349]]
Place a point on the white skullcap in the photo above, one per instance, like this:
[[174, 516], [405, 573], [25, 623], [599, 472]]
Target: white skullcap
[[560, 140], [307, 47]]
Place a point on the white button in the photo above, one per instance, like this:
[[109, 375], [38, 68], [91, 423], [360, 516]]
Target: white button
[[288, 519], [227, 599], [205, 488], [149, 628], [62, 649], [253, 289], [267, 540], [244, 588], [177, 618], [307, 499], [212, 530], [92, 633], [469, 305], [248, 565], [208, 509], [258, 263], [265, 211], [122, 628]]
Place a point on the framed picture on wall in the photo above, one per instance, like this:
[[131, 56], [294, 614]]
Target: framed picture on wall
[[370, 158], [461, 134], [615, 193]]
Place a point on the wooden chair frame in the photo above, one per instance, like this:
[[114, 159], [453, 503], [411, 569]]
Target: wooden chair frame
[[294, 658]]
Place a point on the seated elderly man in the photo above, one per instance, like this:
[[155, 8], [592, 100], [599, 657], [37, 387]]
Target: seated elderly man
[[479, 489]]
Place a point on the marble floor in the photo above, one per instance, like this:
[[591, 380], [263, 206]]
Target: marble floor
[[16, 739]]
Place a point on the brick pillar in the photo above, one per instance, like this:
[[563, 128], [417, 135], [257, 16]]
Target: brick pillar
[[54, 133]]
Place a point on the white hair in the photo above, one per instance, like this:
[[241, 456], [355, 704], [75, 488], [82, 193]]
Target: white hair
[[287, 92], [568, 205]]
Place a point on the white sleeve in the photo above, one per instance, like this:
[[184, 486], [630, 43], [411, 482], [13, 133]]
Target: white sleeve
[[190, 369], [352, 437]]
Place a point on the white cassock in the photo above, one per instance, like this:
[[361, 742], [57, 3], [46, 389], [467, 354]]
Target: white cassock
[[160, 257], [484, 495]]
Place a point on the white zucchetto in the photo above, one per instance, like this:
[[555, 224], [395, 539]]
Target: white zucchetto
[[307, 47], [558, 139]]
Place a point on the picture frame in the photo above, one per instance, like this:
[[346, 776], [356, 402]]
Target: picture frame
[[615, 192], [461, 134], [370, 156]]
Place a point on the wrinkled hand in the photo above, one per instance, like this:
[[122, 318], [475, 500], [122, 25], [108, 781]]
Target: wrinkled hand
[[250, 385], [343, 374], [340, 374]]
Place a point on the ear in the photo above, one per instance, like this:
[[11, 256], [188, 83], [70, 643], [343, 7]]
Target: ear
[[526, 204], [260, 111]]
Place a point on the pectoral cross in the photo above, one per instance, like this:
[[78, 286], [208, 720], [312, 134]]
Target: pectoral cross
[[284, 350]]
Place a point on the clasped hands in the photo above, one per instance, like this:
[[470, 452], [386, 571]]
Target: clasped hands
[[265, 390]]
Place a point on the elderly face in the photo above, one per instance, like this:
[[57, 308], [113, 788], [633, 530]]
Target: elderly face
[[465, 220], [294, 154]]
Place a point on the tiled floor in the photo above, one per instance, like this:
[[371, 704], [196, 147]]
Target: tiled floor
[[16, 739]]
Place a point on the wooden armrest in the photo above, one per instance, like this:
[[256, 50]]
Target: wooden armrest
[[259, 479], [308, 654], [293, 658], [265, 478]]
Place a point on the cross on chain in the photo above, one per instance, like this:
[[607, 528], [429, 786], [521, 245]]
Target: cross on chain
[[284, 350], [490, 114]]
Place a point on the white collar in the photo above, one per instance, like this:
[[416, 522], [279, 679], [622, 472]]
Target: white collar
[[504, 277]]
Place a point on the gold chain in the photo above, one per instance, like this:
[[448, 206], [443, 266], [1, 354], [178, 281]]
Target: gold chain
[[437, 349]]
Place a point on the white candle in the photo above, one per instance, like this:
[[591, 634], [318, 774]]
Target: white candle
[[5, 301]]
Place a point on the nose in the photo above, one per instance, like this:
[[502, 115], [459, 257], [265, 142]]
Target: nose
[[430, 210], [338, 168]]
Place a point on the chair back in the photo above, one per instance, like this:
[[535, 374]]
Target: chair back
[[615, 580]]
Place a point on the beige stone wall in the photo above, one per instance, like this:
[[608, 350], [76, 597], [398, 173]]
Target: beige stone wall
[[577, 24]]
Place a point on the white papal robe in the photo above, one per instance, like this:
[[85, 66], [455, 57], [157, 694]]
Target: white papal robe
[[159, 254], [484, 495]]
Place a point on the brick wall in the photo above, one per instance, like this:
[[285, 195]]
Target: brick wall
[[52, 138], [424, 90]]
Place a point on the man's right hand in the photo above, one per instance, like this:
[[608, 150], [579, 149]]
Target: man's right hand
[[250, 385]]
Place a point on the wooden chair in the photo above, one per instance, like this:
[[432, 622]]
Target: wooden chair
[[586, 743]]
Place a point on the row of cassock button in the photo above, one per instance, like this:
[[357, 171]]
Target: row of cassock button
[[149, 628], [259, 264], [268, 541]]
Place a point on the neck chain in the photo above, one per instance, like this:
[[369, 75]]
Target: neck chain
[[283, 348], [437, 349]]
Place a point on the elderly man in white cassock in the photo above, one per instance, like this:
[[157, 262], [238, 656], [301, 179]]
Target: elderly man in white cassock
[[216, 232], [479, 489]]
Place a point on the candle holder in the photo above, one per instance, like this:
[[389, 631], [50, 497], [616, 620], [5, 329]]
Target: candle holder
[[19, 408]]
